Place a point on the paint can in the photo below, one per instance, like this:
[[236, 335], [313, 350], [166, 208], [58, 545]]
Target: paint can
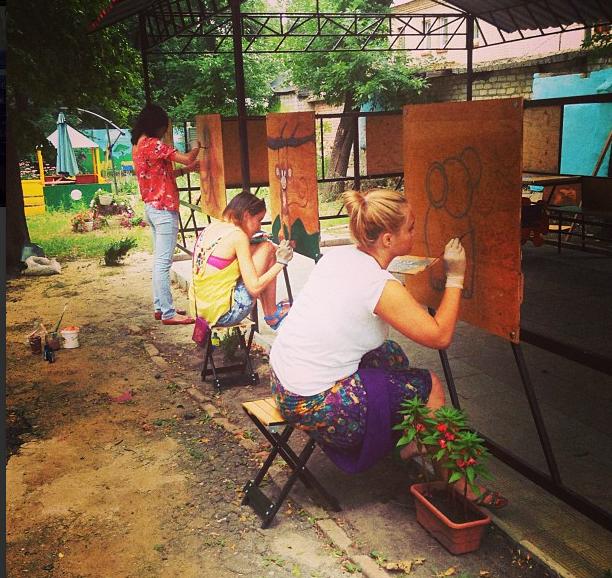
[[71, 337], [53, 341], [35, 342]]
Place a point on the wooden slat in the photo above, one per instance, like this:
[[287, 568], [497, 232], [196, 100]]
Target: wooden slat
[[265, 411], [31, 211]]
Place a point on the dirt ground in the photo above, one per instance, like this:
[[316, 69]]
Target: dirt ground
[[147, 487], [115, 471]]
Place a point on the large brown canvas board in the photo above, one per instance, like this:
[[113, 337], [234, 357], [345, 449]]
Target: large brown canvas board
[[212, 175], [292, 162], [541, 139], [384, 144], [463, 179], [258, 153]]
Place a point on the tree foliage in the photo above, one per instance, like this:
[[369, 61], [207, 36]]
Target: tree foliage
[[53, 62], [207, 84], [385, 79]]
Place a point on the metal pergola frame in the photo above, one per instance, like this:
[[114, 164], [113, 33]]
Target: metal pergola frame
[[205, 27], [210, 27]]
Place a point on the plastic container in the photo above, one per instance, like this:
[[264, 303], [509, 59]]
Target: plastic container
[[71, 337]]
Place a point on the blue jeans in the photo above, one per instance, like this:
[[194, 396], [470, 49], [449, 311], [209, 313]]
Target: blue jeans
[[164, 227], [242, 303]]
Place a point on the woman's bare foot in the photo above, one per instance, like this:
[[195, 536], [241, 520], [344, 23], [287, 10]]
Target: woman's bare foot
[[486, 498]]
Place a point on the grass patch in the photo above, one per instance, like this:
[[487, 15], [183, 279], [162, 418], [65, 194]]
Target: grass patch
[[53, 232]]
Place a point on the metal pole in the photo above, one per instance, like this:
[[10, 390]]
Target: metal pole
[[356, 164], [536, 413], [448, 374], [240, 95], [469, 45], [110, 158], [144, 46]]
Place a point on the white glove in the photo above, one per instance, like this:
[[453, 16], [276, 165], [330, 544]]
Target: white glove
[[284, 252], [454, 262]]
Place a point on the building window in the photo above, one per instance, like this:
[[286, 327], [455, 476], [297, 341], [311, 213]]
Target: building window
[[426, 27]]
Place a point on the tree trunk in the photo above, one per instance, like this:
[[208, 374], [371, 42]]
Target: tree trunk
[[341, 151], [16, 227]]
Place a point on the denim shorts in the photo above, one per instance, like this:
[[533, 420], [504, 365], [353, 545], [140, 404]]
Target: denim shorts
[[242, 303]]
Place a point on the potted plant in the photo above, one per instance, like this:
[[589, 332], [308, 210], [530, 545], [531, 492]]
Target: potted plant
[[456, 457], [82, 221], [103, 197]]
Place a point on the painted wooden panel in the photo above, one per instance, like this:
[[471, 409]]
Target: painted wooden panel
[[384, 144], [541, 139], [292, 168], [463, 179], [258, 152], [212, 174]]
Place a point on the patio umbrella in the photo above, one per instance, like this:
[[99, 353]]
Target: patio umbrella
[[66, 160]]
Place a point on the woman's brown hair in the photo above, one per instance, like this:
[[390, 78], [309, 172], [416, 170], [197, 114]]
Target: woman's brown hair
[[374, 212], [243, 203]]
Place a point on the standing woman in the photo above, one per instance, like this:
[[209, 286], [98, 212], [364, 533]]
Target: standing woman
[[157, 182], [334, 373]]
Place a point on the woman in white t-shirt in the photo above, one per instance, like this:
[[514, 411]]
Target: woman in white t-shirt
[[333, 371]]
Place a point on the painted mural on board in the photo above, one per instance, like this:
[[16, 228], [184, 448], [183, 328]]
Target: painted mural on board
[[293, 180]]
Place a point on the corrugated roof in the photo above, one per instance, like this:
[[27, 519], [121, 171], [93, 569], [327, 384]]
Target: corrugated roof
[[510, 16], [119, 10]]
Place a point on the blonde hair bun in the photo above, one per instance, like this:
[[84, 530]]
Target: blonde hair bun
[[374, 212]]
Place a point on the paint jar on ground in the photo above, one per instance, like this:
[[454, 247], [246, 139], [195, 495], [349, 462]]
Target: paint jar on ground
[[71, 337]]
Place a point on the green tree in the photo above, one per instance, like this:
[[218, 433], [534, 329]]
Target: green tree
[[386, 79], [207, 84], [53, 62]]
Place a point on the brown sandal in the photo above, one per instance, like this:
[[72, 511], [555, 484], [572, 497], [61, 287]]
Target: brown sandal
[[491, 500]]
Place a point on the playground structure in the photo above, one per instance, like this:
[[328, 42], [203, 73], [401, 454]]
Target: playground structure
[[58, 191]]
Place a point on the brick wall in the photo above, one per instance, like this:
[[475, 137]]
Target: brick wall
[[506, 79]]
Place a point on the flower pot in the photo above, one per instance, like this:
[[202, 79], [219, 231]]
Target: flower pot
[[105, 200], [456, 537], [88, 226]]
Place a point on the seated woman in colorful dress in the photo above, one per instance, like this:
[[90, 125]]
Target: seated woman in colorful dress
[[333, 372], [230, 271]]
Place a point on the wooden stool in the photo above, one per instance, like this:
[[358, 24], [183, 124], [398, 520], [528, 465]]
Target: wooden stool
[[243, 371], [266, 416]]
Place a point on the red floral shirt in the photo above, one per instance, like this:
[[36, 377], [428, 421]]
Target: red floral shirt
[[153, 165]]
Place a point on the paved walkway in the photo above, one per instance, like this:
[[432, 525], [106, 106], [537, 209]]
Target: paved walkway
[[567, 299]]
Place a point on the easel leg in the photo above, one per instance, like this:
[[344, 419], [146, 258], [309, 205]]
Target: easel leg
[[536, 413]]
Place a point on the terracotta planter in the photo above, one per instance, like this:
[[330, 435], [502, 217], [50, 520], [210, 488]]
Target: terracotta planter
[[457, 538]]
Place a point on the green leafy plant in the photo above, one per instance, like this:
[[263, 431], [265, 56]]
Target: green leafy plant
[[80, 218], [445, 440], [117, 250], [229, 344]]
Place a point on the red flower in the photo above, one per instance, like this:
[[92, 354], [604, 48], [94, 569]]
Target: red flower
[[442, 443], [419, 427], [460, 463], [442, 427], [471, 462], [449, 436]]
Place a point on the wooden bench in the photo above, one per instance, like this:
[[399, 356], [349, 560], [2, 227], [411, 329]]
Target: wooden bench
[[266, 416]]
